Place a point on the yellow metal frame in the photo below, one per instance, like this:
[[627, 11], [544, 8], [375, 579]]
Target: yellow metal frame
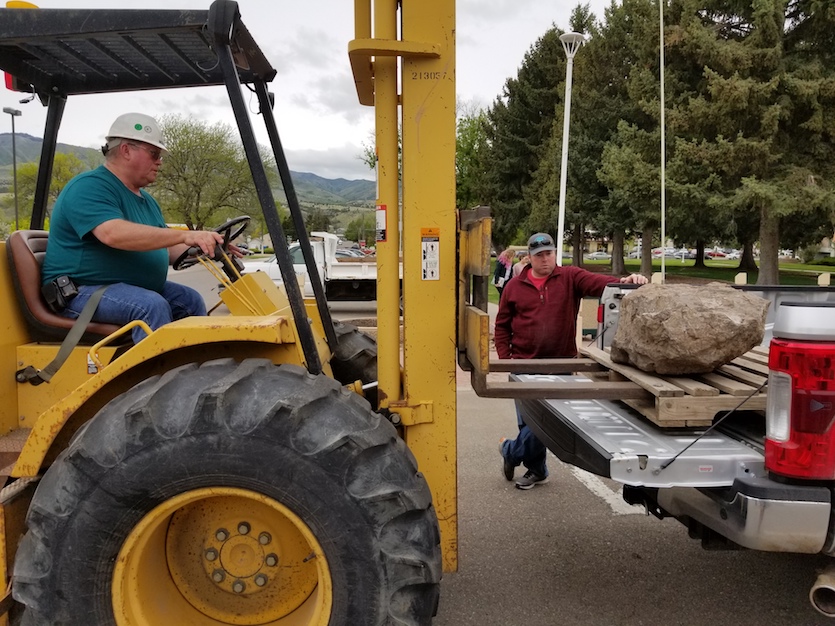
[[194, 332], [424, 399], [259, 327]]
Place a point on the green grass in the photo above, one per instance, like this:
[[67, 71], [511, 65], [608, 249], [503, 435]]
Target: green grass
[[721, 271]]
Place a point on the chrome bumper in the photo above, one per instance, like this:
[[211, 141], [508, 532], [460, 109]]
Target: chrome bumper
[[758, 513]]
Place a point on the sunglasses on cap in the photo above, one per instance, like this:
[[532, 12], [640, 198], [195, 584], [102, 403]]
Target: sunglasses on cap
[[540, 242]]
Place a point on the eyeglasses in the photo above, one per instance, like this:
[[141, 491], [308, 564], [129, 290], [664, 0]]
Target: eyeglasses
[[540, 242], [155, 153]]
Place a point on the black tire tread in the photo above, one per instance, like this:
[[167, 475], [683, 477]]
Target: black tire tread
[[355, 358], [313, 415]]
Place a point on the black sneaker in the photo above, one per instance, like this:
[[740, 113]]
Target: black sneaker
[[530, 480], [508, 468]]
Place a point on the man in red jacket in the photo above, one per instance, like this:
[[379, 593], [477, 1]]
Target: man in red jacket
[[537, 319]]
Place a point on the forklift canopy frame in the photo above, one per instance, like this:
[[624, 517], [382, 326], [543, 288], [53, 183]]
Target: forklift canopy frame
[[55, 53]]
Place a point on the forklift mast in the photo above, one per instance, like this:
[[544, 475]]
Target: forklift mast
[[413, 46]]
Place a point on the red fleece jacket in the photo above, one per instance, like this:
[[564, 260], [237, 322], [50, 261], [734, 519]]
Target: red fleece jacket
[[542, 324]]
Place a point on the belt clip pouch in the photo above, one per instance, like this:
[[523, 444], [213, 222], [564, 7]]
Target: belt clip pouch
[[59, 292]]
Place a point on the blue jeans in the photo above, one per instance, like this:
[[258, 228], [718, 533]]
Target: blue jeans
[[526, 449], [123, 303]]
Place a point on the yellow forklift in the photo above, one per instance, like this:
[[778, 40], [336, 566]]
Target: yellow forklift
[[271, 466], [228, 469]]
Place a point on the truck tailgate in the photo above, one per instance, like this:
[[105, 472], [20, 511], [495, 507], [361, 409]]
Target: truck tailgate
[[611, 440]]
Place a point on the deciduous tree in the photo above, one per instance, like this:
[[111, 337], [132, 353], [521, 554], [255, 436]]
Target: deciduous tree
[[205, 178], [470, 154], [361, 228], [64, 168]]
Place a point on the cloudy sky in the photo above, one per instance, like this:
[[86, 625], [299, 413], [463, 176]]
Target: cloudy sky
[[320, 122]]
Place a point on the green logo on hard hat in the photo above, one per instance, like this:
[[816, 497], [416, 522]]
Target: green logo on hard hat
[[137, 126]]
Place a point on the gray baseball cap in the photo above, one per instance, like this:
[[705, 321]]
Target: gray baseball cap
[[540, 242]]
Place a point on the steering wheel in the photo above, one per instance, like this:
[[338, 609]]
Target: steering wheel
[[230, 230]]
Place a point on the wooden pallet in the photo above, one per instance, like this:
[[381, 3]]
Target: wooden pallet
[[680, 401]]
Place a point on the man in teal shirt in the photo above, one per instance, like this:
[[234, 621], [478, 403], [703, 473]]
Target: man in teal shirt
[[106, 230]]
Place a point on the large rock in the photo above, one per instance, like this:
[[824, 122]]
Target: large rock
[[684, 329]]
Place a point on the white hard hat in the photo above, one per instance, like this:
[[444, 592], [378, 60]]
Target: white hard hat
[[138, 127]]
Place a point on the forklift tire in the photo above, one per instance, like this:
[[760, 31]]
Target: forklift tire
[[355, 358], [232, 493]]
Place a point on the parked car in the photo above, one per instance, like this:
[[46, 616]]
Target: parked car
[[349, 253], [733, 255], [682, 254], [600, 255], [715, 254]]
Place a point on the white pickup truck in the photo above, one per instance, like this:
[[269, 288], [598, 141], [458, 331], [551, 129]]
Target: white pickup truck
[[344, 278], [762, 480]]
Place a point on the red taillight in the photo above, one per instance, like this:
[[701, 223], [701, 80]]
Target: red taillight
[[599, 313], [800, 419]]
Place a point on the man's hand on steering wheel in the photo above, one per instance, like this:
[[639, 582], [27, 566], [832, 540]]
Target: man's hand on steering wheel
[[212, 244], [206, 240]]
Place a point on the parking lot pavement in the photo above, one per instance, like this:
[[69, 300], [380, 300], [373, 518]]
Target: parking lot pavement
[[571, 552]]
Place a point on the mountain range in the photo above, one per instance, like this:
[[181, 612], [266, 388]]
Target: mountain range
[[310, 188]]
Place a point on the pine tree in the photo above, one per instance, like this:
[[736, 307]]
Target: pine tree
[[757, 127], [519, 122]]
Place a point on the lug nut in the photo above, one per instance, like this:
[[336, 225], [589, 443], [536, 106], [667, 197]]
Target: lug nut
[[243, 528], [211, 554], [260, 580], [221, 534], [238, 586], [218, 575], [264, 538], [271, 560]]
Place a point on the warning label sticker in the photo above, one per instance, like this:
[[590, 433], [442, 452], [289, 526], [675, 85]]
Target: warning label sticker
[[431, 253], [380, 223]]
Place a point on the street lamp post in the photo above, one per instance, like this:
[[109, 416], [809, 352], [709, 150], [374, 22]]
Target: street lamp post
[[14, 113], [571, 42]]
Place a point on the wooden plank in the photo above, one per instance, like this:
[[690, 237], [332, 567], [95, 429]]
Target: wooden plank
[[757, 357], [655, 385], [706, 395], [649, 410], [689, 408], [545, 366], [728, 385], [760, 350], [556, 391], [692, 387], [735, 372], [750, 365], [601, 377]]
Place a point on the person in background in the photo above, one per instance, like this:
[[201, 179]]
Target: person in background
[[504, 270], [537, 319], [107, 230], [522, 264]]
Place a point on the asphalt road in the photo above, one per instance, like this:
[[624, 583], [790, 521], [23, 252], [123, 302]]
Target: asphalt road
[[571, 552]]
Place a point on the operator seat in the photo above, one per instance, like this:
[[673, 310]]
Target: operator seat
[[26, 250]]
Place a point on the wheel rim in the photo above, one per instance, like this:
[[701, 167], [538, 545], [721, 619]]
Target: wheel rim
[[220, 556]]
